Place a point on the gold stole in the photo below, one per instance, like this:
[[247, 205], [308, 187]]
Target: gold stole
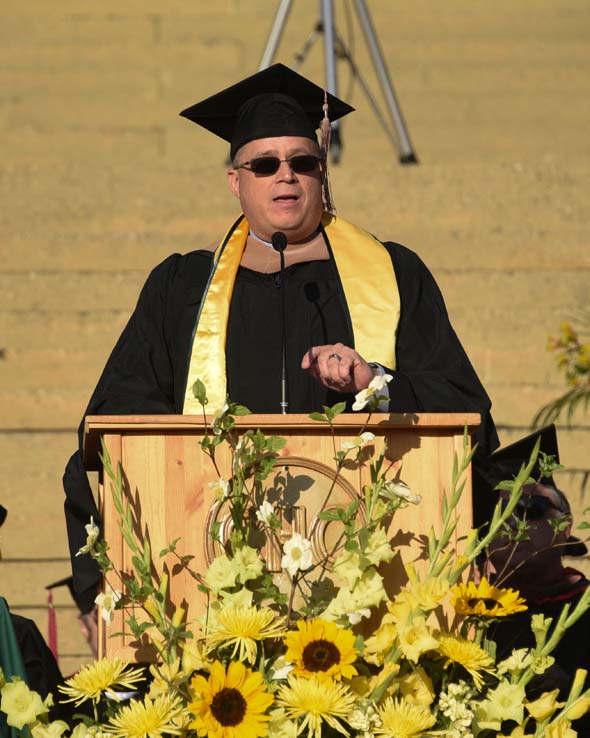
[[367, 278]]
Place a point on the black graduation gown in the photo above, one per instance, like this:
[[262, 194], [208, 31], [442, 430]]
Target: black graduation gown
[[40, 664], [146, 372]]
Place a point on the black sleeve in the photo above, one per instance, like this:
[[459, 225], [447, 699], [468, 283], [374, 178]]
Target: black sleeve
[[40, 664], [137, 379], [433, 372]]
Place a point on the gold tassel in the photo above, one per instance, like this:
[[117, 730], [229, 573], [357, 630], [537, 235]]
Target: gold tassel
[[325, 135]]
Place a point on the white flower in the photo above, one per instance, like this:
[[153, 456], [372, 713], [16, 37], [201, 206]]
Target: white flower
[[296, 554], [92, 533], [364, 717], [372, 394], [107, 601], [265, 511], [281, 668], [354, 618], [400, 490], [455, 705], [358, 441], [220, 488]]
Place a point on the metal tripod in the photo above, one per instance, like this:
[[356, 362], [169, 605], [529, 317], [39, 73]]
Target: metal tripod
[[396, 129]]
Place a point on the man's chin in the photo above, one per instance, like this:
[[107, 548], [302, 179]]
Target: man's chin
[[293, 231]]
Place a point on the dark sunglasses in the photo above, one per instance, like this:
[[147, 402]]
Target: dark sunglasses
[[266, 165], [533, 508]]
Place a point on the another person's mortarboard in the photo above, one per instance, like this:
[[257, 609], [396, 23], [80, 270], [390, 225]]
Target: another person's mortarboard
[[505, 463], [67, 582], [273, 102]]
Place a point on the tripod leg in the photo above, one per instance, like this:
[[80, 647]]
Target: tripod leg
[[331, 81], [274, 36], [406, 152], [343, 52]]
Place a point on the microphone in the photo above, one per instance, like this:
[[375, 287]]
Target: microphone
[[279, 243]]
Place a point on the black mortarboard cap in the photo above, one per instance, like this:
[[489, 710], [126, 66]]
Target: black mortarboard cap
[[69, 583], [3, 514], [505, 464], [273, 102]]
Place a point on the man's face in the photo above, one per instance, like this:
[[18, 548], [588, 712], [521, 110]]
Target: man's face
[[284, 201]]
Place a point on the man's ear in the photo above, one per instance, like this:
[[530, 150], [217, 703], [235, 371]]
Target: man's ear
[[233, 180]]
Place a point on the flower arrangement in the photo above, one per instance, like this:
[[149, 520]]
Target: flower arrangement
[[294, 654]]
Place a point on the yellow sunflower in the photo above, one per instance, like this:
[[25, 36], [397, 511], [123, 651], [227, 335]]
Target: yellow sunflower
[[322, 649], [94, 679], [401, 719], [485, 600], [230, 704], [148, 719], [469, 655], [317, 701], [242, 627]]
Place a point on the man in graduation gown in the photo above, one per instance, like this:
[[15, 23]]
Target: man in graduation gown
[[354, 307]]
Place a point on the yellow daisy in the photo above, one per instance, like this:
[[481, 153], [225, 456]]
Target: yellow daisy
[[322, 649], [242, 628], [230, 704], [469, 655], [401, 719], [317, 701], [94, 679], [485, 600], [148, 719]]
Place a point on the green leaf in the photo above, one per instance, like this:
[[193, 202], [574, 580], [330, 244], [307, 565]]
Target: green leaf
[[214, 530], [275, 443], [318, 417], [505, 486], [352, 508], [171, 548], [241, 410], [548, 464], [200, 392], [137, 563], [337, 409], [329, 515]]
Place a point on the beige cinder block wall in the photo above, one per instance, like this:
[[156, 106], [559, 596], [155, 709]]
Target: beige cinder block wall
[[101, 180]]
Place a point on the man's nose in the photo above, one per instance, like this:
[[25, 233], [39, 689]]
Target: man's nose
[[285, 171]]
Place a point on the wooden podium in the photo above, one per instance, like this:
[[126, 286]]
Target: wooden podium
[[167, 476]]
